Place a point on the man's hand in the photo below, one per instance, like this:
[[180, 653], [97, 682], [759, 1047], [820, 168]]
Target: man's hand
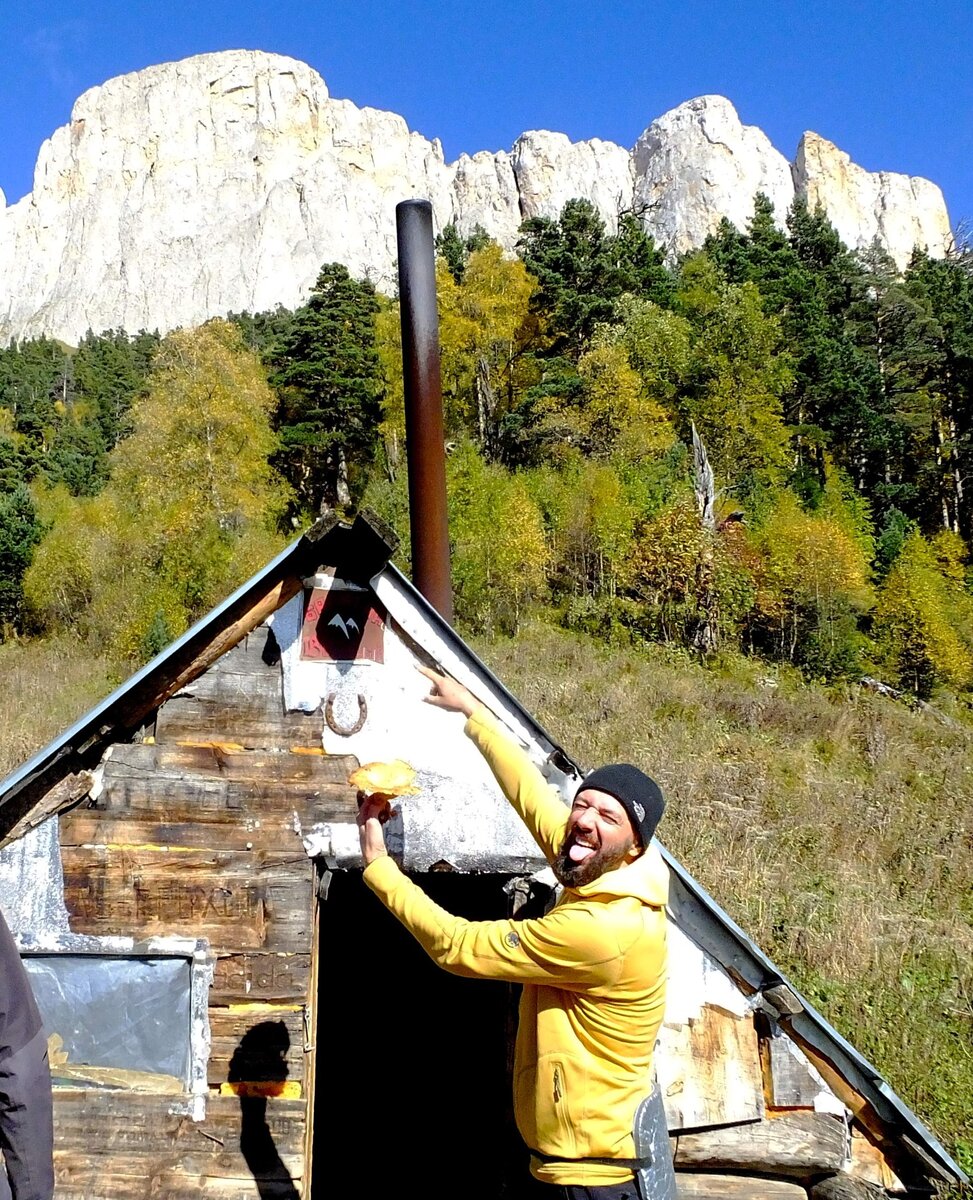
[[447, 693], [373, 812]]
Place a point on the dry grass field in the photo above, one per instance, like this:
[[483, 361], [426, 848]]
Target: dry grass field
[[44, 687]]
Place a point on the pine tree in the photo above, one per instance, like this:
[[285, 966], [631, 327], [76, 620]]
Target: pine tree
[[326, 370], [110, 370], [581, 270], [20, 532], [456, 250]]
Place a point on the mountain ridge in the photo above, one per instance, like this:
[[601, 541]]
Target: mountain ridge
[[221, 182]]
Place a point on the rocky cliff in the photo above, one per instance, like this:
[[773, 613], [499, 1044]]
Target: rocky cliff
[[223, 182]]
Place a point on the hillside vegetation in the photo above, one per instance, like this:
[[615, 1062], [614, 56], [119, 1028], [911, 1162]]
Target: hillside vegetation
[[720, 638]]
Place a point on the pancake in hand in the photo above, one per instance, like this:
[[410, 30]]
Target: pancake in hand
[[385, 780]]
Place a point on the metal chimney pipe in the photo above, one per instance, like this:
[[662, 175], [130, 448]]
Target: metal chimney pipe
[[424, 434]]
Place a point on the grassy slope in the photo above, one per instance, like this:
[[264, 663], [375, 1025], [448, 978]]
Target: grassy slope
[[44, 687], [834, 827]]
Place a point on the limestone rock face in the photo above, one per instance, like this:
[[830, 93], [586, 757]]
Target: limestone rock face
[[699, 163], [218, 183], [902, 211], [485, 193], [224, 182], [550, 170]]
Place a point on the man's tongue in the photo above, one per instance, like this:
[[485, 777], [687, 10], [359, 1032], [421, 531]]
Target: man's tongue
[[578, 853]]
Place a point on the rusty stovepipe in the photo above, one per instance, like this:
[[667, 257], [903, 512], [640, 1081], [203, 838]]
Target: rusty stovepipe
[[423, 404]]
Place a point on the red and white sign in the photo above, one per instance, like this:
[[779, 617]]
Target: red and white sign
[[342, 626]]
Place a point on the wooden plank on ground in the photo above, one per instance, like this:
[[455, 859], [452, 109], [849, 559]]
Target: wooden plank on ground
[[800, 1144], [709, 1071], [735, 1187], [238, 901]]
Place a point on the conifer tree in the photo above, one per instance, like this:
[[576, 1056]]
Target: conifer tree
[[581, 270], [326, 371], [20, 532], [455, 250], [110, 369]]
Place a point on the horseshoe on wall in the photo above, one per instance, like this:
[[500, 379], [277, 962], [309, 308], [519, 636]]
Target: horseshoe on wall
[[333, 724]]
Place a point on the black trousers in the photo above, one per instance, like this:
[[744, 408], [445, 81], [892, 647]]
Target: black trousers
[[26, 1123]]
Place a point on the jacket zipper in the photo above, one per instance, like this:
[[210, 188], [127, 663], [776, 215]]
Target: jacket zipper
[[558, 1092]]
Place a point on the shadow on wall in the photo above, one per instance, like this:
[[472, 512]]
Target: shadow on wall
[[258, 1069]]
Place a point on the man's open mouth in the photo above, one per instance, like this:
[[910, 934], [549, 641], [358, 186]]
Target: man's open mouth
[[579, 852]]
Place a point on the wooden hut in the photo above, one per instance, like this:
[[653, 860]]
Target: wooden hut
[[232, 1014]]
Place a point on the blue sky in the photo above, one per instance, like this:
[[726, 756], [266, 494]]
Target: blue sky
[[891, 83]]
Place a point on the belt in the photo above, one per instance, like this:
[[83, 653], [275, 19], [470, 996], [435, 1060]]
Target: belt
[[629, 1164]]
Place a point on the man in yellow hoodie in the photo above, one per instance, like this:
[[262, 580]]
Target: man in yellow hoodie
[[593, 969]]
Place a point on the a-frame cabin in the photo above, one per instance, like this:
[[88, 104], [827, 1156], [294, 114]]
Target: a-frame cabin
[[232, 1014]]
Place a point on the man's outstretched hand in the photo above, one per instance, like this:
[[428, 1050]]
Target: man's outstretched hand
[[447, 693]]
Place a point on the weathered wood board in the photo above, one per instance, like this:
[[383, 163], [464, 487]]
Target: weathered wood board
[[788, 1078], [735, 1187], [239, 700], [272, 977], [709, 1071], [799, 1144], [228, 1026], [115, 1144], [237, 901], [211, 782], [198, 833], [273, 832], [869, 1164]]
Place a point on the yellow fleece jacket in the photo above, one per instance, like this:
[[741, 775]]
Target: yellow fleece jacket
[[593, 971]]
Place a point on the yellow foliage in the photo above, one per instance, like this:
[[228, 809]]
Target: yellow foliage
[[497, 538], [388, 344], [485, 325], [920, 615], [811, 558], [665, 563], [618, 415], [190, 510], [590, 520]]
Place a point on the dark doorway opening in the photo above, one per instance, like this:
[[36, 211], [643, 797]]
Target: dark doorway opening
[[412, 1084]]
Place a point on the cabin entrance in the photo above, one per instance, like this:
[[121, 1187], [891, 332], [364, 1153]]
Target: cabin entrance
[[412, 1087]]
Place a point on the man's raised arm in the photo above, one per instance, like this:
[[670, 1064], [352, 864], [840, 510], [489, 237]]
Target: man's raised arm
[[535, 800]]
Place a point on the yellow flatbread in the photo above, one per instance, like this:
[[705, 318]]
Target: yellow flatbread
[[385, 779]]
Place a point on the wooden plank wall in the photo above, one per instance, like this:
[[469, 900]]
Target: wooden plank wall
[[193, 834]]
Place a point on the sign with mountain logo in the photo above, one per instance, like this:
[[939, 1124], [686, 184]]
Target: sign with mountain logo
[[342, 626]]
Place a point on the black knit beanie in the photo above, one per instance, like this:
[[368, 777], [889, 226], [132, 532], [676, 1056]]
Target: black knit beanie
[[640, 796]]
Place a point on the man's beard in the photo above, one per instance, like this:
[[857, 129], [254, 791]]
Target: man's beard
[[576, 874]]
